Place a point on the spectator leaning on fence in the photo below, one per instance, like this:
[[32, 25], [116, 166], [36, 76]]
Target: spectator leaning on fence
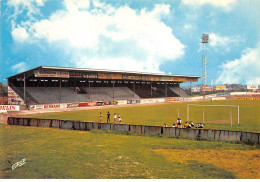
[[186, 125], [192, 124], [199, 125], [179, 122]]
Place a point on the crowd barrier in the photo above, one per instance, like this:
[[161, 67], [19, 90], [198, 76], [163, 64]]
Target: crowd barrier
[[222, 135]]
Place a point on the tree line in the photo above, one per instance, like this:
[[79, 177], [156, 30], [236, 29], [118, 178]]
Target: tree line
[[3, 90]]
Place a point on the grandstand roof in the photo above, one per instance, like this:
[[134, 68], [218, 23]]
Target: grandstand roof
[[105, 71]]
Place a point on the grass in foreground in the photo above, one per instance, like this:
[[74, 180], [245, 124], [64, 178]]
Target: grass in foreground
[[54, 153], [157, 115]]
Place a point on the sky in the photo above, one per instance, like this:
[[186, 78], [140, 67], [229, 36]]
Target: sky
[[157, 36]]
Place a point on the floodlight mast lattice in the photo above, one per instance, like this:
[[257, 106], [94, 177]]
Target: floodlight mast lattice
[[204, 41]]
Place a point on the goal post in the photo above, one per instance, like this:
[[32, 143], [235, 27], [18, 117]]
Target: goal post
[[196, 105]]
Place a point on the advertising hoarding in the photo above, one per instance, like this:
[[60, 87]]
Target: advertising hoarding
[[55, 74], [247, 98], [76, 75], [112, 76], [51, 106], [195, 89], [14, 98], [207, 89], [179, 79], [154, 78], [37, 107], [82, 75], [252, 87], [192, 79], [90, 75], [132, 77], [171, 99], [9, 108], [165, 78], [146, 78], [221, 87], [218, 98], [121, 102]]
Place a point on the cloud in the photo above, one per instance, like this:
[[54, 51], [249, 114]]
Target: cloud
[[28, 4], [225, 4], [31, 7], [20, 34], [246, 69], [19, 67], [223, 42], [187, 27], [104, 36], [75, 5]]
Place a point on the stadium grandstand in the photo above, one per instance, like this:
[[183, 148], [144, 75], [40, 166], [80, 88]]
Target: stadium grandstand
[[46, 84]]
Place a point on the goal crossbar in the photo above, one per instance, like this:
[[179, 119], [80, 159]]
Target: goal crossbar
[[196, 105]]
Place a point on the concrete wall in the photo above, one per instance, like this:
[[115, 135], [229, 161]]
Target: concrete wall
[[120, 127], [55, 123], [222, 135], [138, 129], [153, 130], [34, 122], [66, 124], [44, 123]]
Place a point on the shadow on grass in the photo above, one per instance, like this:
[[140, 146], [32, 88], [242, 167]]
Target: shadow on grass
[[209, 170]]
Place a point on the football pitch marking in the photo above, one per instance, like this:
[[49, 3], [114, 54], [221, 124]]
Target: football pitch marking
[[197, 105]]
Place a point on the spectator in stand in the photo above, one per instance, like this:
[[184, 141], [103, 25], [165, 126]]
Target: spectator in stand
[[165, 125], [108, 117], [115, 118], [77, 90], [100, 117]]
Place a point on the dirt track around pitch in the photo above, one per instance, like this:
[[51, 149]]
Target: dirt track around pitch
[[4, 116]]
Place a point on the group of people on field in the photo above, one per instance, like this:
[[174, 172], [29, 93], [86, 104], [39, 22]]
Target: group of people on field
[[178, 124], [190, 124], [117, 119]]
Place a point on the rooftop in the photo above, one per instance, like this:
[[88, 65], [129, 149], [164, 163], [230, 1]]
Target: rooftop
[[100, 71]]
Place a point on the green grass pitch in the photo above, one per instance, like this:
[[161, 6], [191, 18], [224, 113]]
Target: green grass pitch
[[157, 115], [56, 153]]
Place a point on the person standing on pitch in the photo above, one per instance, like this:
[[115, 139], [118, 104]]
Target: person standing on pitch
[[119, 119], [115, 118], [108, 117], [100, 117]]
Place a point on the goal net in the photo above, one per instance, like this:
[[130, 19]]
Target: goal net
[[215, 114]]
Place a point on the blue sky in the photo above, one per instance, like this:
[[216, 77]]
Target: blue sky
[[133, 35]]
